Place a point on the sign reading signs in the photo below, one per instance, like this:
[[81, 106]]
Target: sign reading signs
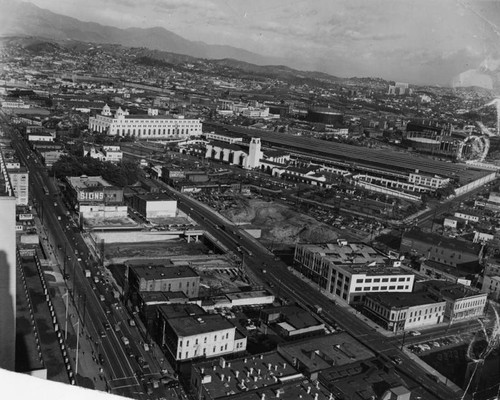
[[99, 196]]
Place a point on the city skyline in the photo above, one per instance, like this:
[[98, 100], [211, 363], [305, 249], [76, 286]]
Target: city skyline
[[387, 39]]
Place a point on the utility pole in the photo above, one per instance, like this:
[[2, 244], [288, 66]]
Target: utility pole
[[66, 321], [77, 346]]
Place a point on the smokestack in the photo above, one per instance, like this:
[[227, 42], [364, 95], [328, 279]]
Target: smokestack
[[308, 389], [222, 377], [236, 373], [315, 396], [263, 396]]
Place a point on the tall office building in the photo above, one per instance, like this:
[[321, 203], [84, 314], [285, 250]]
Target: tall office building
[[7, 269]]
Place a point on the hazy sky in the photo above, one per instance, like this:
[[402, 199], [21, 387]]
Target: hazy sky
[[416, 40]]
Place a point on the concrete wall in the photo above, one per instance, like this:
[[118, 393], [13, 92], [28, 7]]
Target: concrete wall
[[166, 208], [475, 184], [101, 211], [133, 236]]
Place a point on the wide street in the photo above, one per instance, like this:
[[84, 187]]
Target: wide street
[[94, 301], [261, 265], [97, 308]]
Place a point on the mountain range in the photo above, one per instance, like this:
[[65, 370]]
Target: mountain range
[[26, 19]]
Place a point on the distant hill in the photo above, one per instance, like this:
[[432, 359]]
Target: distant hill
[[25, 19], [158, 58]]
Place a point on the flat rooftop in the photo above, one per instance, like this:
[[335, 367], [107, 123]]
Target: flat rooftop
[[171, 311], [189, 326], [295, 316], [256, 372], [162, 297], [247, 295], [322, 352], [162, 272], [453, 291], [155, 197], [87, 182], [403, 300], [437, 240], [352, 253], [363, 381]]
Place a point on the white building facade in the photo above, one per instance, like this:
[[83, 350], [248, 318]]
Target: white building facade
[[20, 183], [398, 313], [150, 126], [350, 271]]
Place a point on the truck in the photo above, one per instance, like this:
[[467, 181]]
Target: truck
[[87, 273], [318, 309], [125, 340], [116, 294]]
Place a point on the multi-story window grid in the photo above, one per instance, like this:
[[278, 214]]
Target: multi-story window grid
[[395, 312], [350, 271]]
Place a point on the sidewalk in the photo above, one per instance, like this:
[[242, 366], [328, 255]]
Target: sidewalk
[[89, 372]]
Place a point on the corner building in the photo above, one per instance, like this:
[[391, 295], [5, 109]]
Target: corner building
[[348, 271]]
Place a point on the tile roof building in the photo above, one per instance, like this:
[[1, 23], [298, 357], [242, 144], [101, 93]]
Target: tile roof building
[[150, 126]]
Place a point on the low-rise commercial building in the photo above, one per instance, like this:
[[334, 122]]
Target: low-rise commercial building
[[105, 153], [264, 376], [456, 253], [462, 302], [41, 137], [491, 286], [397, 312], [93, 190], [292, 321], [187, 334], [154, 205], [312, 355], [369, 379], [161, 278], [348, 271]]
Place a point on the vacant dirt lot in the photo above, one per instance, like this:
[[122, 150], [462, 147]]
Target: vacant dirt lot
[[279, 224]]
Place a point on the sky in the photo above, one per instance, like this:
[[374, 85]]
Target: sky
[[417, 41]]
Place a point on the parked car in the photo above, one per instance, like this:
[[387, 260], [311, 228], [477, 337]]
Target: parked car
[[396, 360]]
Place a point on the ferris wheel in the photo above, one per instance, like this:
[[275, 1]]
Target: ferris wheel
[[477, 148]]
